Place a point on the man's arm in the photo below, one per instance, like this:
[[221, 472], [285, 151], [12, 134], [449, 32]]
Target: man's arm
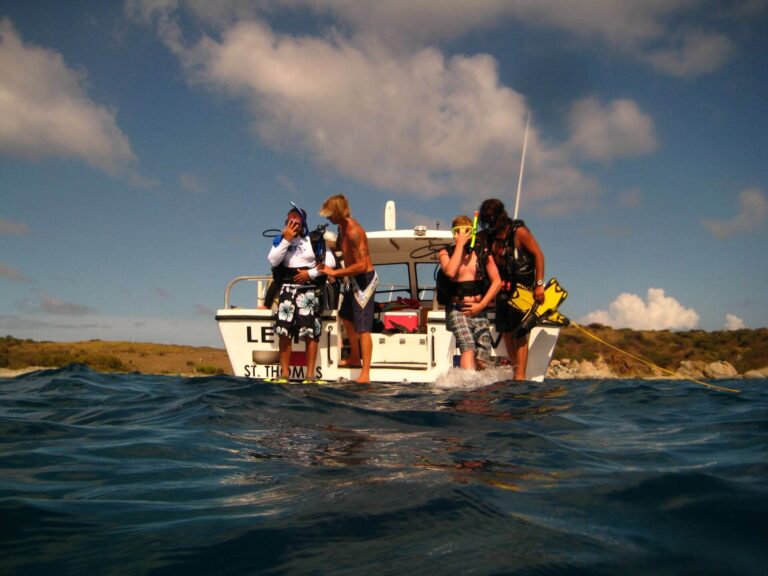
[[277, 253], [492, 272]]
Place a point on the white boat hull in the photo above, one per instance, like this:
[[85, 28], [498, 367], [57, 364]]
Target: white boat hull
[[423, 356], [406, 260]]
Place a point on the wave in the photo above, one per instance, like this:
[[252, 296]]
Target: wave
[[160, 474]]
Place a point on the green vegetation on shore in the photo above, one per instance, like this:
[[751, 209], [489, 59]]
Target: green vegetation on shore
[[102, 356], [744, 349]]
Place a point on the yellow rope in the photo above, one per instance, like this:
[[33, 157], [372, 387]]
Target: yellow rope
[[651, 364]]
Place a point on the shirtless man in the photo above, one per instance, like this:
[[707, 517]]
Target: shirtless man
[[356, 311], [465, 314]]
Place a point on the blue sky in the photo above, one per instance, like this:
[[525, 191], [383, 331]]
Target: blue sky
[[145, 146]]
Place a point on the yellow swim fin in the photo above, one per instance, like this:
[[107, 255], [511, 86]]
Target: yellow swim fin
[[522, 299]]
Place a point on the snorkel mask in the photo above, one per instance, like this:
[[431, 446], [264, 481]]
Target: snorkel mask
[[303, 214], [470, 229], [491, 211], [489, 221]]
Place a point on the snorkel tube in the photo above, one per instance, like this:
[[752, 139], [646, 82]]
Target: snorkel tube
[[474, 230]]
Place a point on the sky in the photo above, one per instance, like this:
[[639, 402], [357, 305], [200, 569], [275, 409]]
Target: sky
[[145, 146]]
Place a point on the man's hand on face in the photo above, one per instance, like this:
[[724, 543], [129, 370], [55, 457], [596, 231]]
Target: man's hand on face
[[463, 236], [291, 230]]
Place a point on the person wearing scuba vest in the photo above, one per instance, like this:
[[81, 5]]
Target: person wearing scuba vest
[[465, 312], [296, 272], [356, 310], [520, 261]]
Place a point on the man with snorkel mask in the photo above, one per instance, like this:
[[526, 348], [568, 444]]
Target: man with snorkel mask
[[520, 261], [465, 314], [296, 271]]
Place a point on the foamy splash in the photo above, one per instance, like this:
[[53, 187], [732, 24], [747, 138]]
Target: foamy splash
[[459, 379]]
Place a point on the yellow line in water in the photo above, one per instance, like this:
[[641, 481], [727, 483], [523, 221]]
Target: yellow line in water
[[651, 364]]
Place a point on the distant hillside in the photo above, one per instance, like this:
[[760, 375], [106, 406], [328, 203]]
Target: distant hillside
[[102, 356], [744, 349]]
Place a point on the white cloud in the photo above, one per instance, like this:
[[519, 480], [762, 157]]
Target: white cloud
[[630, 199], [9, 228], [695, 53], [192, 183], [45, 111], [202, 310], [606, 132], [752, 212], [47, 304], [668, 35], [733, 322], [420, 122], [12, 274], [286, 183], [660, 312], [673, 36]]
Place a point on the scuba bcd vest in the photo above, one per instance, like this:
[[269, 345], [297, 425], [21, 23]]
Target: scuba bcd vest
[[520, 268], [447, 289], [282, 274]]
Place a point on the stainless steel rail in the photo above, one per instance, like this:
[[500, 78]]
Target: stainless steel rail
[[263, 282]]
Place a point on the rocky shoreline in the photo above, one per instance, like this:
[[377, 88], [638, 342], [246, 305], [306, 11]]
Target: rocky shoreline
[[566, 369]]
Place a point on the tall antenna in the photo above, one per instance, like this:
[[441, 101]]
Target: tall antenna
[[522, 166]]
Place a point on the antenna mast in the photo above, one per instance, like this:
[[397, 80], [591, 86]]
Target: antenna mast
[[522, 166]]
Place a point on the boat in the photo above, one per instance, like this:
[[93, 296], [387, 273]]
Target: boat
[[410, 340]]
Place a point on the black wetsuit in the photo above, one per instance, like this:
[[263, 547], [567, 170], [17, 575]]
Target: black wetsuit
[[513, 270]]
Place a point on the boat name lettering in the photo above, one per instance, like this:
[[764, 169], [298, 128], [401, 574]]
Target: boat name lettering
[[267, 334], [273, 371]]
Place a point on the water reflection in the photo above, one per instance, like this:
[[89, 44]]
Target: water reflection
[[507, 400]]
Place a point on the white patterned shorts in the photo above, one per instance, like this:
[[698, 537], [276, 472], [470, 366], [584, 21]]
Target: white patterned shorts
[[297, 312]]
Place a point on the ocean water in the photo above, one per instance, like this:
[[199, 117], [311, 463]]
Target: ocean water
[[138, 474]]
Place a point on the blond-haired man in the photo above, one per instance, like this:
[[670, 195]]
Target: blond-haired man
[[356, 311]]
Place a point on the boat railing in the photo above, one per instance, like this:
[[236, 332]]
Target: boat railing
[[262, 282]]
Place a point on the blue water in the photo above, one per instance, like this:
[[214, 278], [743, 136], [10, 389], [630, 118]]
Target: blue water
[[137, 474]]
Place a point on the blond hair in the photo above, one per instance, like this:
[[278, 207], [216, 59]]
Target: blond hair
[[461, 220], [335, 207]]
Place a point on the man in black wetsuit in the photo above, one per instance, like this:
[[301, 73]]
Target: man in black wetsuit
[[520, 261]]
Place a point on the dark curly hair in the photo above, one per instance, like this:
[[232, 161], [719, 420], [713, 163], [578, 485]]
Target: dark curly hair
[[492, 214]]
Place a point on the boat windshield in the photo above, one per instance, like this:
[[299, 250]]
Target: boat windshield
[[394, 281]]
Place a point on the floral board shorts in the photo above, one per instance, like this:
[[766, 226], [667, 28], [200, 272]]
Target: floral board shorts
[[297, 312], [471, 333]]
